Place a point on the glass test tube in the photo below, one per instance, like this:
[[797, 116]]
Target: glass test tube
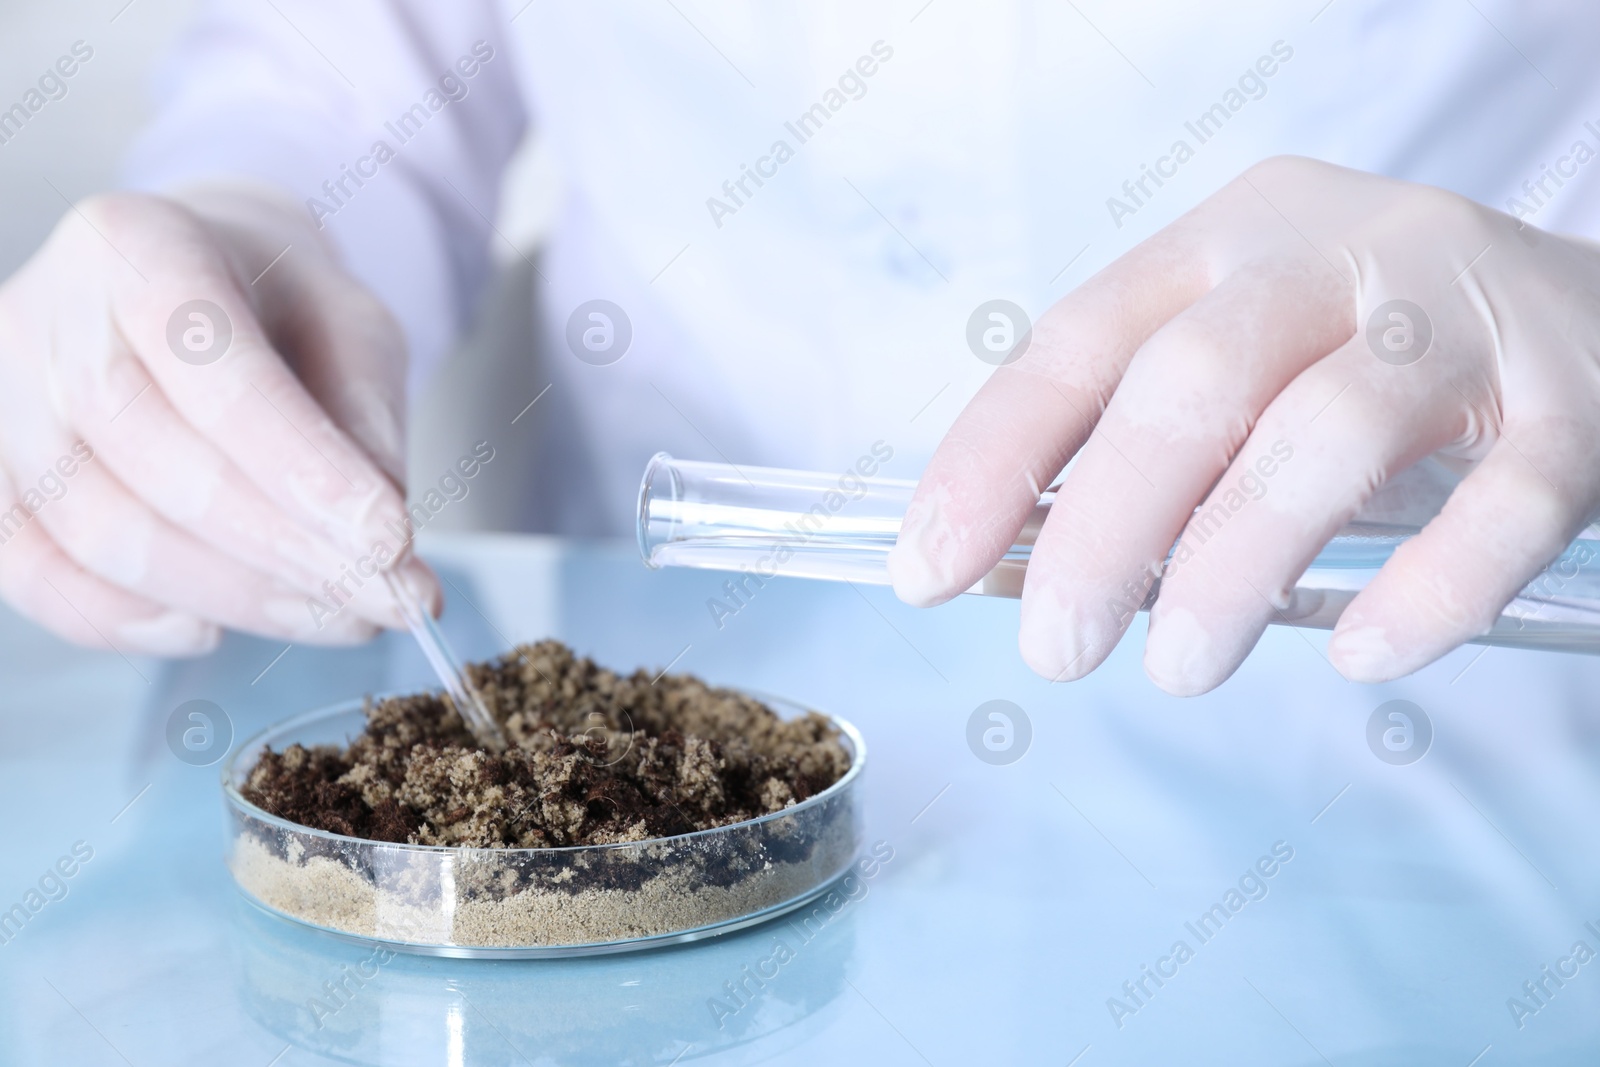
[[839, 527]]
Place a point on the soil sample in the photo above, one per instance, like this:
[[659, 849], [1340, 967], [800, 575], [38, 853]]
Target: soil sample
[[593, 759]]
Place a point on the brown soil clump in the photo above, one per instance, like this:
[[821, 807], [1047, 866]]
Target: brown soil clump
[[594, 758]]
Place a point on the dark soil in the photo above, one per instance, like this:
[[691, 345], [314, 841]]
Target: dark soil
[[594, 758]]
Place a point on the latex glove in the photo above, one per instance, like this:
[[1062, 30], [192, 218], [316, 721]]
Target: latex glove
[[147, 500], [1240, 332]]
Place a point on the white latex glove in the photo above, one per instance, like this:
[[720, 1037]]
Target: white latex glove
[[147, 500], [1253, 323]]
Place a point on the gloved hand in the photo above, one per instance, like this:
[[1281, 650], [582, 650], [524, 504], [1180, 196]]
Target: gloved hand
[[1257, 333], [169, 467]]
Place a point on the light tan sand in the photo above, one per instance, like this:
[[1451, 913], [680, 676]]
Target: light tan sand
[[417, 899]]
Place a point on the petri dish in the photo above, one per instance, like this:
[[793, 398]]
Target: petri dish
[[523, 903]]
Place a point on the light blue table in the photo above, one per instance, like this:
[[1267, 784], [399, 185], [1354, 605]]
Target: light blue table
[[1019, 901]]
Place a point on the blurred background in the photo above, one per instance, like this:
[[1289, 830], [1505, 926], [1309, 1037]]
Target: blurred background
[[74, 146]]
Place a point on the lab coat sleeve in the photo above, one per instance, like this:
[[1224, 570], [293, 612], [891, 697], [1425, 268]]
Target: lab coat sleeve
[[391, 121]]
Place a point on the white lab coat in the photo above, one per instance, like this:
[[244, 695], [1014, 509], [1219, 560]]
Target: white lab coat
[[798, 321]]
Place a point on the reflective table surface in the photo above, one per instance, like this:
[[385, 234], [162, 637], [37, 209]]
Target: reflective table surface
[[1290, 870]]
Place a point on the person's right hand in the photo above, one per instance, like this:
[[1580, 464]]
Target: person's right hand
[[1387, 324], [156, 486]]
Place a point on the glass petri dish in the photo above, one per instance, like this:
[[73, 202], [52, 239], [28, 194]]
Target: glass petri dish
[[520, 903]]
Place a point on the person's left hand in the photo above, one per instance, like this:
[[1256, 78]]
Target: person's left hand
[[1283, 350]]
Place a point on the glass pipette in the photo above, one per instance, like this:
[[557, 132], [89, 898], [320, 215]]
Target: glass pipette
[[767, 522], [446, 666]]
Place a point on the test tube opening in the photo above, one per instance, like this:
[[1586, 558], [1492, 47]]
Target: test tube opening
[[650, 516], [768, 521]]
